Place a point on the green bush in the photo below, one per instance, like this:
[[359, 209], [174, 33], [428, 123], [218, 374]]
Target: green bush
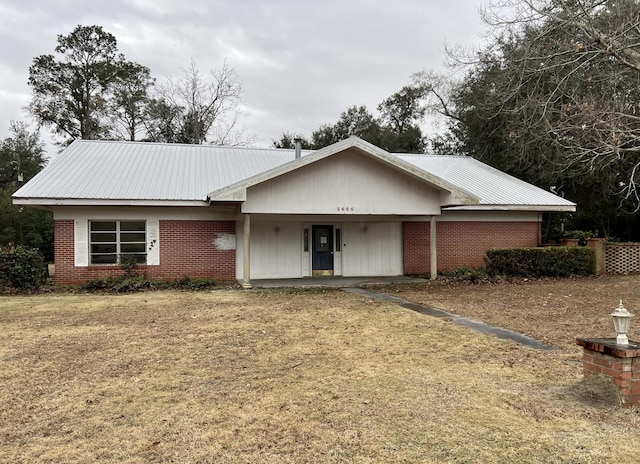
[[577, 234], [21, 267], [541, 262], [466, 274], [187, 283], [129, 265], [122, 284], [105, 283], [133, 284], [127, 284]]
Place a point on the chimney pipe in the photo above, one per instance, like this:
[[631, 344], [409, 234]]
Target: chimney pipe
[[298, 145]]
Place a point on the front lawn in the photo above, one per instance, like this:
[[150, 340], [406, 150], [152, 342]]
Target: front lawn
[[287, 376]]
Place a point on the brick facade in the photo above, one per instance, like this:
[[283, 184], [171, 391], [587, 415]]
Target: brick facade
[[462, 244], [187, 248]]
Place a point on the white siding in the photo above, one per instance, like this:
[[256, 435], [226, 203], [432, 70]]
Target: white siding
[[350, 184], [276, 250], [490, 216], [136, 212], [369, 249], [372, 249]]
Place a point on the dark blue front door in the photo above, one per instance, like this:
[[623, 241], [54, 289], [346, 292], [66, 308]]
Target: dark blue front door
[[322, 250]]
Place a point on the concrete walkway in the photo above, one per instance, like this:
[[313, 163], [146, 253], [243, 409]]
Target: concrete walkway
[[476, 326], [357, 285]]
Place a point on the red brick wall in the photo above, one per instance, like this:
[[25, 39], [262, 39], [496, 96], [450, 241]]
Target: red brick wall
[[187, 248], [618, 363], [462, 243]]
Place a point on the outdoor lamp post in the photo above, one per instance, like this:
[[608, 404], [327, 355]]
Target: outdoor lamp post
[[621, 319]]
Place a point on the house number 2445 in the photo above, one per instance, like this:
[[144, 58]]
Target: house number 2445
[[344, 208]]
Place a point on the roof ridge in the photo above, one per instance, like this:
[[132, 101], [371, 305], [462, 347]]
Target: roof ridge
[[433, 155], [194, 145]]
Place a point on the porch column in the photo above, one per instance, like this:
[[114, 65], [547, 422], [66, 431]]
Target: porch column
[[246, 265], [433, 258]]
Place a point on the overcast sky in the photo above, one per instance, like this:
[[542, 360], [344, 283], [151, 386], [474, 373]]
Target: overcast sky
[[301, 62]]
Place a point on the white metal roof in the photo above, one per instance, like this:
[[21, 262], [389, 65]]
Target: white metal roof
[[108, 172], [105, 170], [492, 186]]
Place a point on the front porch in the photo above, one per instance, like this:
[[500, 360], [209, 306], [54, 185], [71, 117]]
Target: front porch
[[333, 282]]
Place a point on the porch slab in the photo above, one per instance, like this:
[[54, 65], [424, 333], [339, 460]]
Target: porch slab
[[335, 282]]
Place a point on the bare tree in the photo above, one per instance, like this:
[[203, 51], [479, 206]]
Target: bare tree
[[200, 109], [570, 72], [555, 95]]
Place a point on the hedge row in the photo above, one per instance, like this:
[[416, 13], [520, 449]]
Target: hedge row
[[541, 262], [21, 267]]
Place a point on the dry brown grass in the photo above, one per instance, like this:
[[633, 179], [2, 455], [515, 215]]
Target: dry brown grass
[[286, 377], [555, 311]]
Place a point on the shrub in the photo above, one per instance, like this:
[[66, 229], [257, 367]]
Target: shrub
[[541, 262], [104, 283], [136, 283], [188, 283], [132, 284], [129, 265], [123, 284], [579, 234], [21, 267], [467, 274]]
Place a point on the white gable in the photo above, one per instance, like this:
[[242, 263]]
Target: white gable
[[349, 183]]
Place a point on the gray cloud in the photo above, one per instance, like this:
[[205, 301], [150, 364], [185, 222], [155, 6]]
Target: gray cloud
[[301, 63]]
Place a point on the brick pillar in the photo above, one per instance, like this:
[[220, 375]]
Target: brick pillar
[[598, 245], [620, 363]]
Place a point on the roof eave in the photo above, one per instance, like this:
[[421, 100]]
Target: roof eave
[[104, 202], [531, 208]]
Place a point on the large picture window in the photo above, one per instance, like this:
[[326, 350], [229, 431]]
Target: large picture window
[[113, 241]]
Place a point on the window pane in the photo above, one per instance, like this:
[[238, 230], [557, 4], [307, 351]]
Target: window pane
[[103, 248], [140, 258], [132, 237], [103, 225], [338, 240], [104, 259], [132, 226], [95, 237], [133, 247]]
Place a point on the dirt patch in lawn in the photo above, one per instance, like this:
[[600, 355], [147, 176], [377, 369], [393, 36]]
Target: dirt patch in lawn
[[289, 376]]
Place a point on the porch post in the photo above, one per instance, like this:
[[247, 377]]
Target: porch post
[[246, 265], [433, 258]]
